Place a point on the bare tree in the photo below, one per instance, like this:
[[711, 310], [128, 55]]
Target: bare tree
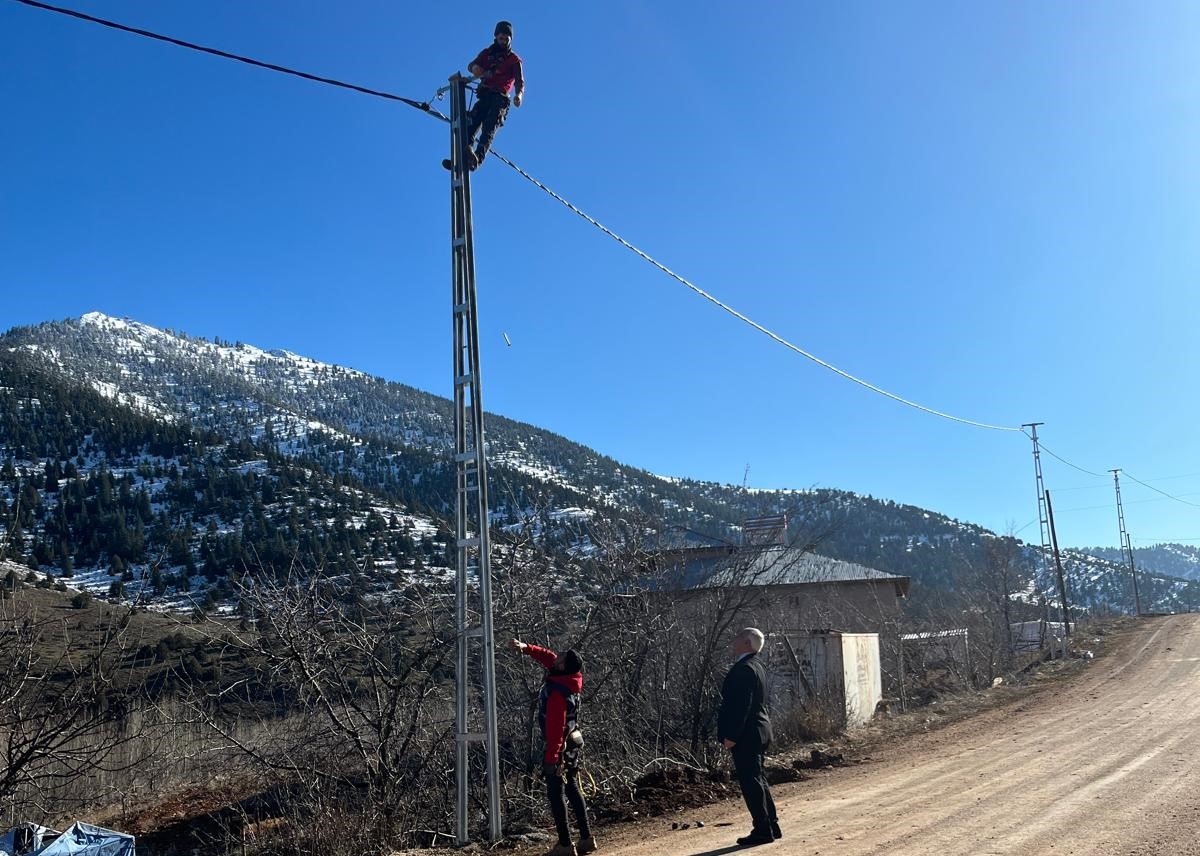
[[355, 693], [63, 699]]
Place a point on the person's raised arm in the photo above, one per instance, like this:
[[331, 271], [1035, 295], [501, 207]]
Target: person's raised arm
[[543, 655]]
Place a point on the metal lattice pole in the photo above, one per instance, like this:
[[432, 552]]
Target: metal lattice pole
[[1126, 545], [1043, 516], [473, 603]]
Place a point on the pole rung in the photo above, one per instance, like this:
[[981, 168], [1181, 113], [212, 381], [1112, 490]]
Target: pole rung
[[462, 457], [472, 737], [458, 242], [468, 542], [461, 308], [463, 380], [473, 632]]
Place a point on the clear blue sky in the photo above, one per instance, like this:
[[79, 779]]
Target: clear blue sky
[[991, 209]]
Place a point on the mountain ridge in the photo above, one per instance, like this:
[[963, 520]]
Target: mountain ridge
[[391, 442]]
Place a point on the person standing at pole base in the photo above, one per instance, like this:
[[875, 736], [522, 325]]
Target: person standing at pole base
[[558, 715], [745, 729], [500, 72]]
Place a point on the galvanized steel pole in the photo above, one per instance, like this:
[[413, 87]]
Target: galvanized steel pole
[[473, 621], [1043, 517], [1126, 546]]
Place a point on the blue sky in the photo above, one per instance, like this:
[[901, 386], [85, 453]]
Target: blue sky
[[990, 209]]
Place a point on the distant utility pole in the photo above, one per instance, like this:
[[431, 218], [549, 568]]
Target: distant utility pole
[[1126, 546], [473, 577], [1043, 516], [1062, 582]]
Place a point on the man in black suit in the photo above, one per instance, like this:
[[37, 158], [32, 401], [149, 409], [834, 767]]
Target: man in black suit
[[745, 729]]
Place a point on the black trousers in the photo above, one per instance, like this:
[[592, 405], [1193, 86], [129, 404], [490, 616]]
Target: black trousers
[[748, 763], [485, 118], [555, 786]]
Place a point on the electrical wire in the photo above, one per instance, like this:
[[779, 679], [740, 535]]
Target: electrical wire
[[1102, 486], [1164, 540], [1043, 448], [736, 314], [420, 105], [1163, 492], [426, 108], [1058, 512]]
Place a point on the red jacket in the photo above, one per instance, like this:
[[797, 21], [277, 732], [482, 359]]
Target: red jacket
[[501, 71], [556, 703]]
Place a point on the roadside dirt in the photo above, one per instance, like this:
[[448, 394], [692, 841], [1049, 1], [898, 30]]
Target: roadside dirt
[[1100, 763]]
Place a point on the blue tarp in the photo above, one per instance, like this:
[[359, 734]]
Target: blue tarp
[[24, 839], [83, 839]]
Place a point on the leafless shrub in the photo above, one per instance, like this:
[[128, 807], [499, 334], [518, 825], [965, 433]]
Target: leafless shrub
[[65, 709], [353, 701]]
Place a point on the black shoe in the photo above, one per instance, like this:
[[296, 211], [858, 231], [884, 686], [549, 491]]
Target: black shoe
[[756, 838], [446, 164], [776, 831]]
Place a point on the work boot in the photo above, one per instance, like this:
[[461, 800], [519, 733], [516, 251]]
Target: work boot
[[475, 158], [561, 850], [776, 831], [587, 844], [756, 838]]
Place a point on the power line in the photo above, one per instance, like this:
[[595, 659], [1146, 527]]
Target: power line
[[426, 108], [1166, 540], [1059, 490], [1099, 475], [1064, 460], [420, 105], [1173, 478], [1163, 492], [1062, 511], [736, 314]]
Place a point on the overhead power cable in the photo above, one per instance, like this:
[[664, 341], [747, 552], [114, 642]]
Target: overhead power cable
[[1042, 446], [426, 108], [1124, 472], [1163, 540], [1163, 492], [420, 105], [736, 314]]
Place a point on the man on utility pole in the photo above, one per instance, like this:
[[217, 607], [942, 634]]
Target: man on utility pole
[[500, 72]]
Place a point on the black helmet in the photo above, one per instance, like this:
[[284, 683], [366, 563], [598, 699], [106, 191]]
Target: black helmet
[[504, 28]]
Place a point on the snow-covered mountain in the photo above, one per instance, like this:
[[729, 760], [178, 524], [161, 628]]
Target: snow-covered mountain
[[364, 461], [1178, 560]]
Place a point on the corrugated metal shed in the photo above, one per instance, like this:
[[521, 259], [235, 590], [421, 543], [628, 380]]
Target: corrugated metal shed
[[756, 566]]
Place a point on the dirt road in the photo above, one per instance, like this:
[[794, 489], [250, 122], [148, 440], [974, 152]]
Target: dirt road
[[1105, 763]]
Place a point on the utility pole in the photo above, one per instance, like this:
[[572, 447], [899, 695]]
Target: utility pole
[[473, 571], [1043, 517], [1126, 546], [1062, 582]]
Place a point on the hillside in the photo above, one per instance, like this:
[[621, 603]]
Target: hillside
[[1177, 560], [133, 455]]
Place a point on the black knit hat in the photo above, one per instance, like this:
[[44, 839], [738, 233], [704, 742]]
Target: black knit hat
[[504, 27], [571, 662]]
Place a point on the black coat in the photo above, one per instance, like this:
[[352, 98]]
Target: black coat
[[743, 716]]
